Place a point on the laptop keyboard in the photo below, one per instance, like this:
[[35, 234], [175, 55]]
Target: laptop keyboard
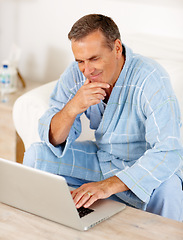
[[84, 211]]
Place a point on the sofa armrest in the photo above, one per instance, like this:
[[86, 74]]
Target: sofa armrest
[[30, 107], [27, 110]]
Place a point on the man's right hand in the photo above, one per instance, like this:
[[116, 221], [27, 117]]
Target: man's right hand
[[89, 94]]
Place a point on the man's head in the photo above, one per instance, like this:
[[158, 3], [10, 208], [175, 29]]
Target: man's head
[[97, 48], [94, 22]]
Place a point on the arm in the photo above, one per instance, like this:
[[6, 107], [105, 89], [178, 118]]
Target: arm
[[67, 87], [159, 112], [89, 94], [162, 122], [88, 193]]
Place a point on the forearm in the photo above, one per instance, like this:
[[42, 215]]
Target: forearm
[[117, 185], [61, 124], [89, 94], [88, 193]]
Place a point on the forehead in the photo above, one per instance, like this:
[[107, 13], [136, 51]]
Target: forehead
[[92, 44]]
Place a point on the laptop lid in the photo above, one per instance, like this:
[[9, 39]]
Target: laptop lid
[[48, 195]]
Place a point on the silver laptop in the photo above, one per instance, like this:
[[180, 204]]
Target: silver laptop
[[48, 195]]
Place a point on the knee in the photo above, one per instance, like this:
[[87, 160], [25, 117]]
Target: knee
[[31, 154], [167, 200], [170, 192]]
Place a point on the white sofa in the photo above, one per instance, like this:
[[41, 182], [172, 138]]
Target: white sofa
[[29, 107]]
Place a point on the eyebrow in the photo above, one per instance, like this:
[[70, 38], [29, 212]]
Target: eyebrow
[[79, 60]]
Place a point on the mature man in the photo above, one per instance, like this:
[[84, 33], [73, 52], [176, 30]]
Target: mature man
[[137, 155]]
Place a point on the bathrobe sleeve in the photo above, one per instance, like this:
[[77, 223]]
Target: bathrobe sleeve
[[160, 113], [68, 84]]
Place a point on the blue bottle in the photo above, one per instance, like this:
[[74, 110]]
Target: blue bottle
[[4, 83]]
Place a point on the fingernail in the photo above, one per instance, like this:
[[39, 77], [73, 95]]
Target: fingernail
[[86, 205]]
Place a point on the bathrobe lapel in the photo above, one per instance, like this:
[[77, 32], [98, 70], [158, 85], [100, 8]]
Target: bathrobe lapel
[[113, 108]]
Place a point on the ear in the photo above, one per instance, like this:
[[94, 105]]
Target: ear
[[118, 48]]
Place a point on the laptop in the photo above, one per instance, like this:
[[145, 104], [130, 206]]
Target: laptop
[[48, 196]]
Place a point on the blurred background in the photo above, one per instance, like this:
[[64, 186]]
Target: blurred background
[[39, 28], [33, 38]]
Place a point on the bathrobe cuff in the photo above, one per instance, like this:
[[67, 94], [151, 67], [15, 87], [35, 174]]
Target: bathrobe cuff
[[44, 126], [126, 177]]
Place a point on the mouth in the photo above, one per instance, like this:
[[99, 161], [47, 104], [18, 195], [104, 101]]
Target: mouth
[[95, 77]]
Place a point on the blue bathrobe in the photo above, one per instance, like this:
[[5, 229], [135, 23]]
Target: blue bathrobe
[[137, 133]]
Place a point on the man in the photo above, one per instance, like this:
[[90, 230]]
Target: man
[[137, 155]]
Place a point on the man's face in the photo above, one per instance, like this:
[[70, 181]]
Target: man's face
[[96, 60]]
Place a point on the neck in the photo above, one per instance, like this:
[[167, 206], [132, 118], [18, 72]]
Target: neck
[[119, 69]]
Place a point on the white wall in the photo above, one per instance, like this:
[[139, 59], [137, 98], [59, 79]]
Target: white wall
[[40, 28]]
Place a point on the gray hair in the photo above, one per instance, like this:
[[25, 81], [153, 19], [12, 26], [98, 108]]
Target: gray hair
[[93, 22]]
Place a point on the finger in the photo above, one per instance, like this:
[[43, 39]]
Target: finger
[[97, 97], [94, 101], [77, 195], [86, 82], [98, 84], [90, 201], [83, 200], [99, 91], [82, 194], [73, 194]]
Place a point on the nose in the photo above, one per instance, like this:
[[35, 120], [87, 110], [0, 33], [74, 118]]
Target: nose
[[87, 68]]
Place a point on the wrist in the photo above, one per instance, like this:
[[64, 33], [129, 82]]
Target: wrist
[[119, 185], [71, 110]]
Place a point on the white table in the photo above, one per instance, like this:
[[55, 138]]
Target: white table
[[126, 225]]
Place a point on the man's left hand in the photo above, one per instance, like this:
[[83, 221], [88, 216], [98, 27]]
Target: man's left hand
[[88, 193]]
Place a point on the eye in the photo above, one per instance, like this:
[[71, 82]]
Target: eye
[[79, 62], [95, 59]]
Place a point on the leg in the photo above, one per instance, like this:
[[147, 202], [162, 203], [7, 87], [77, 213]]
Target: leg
[[80, 161], [167, 200], [79, 165], [30, 157]]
